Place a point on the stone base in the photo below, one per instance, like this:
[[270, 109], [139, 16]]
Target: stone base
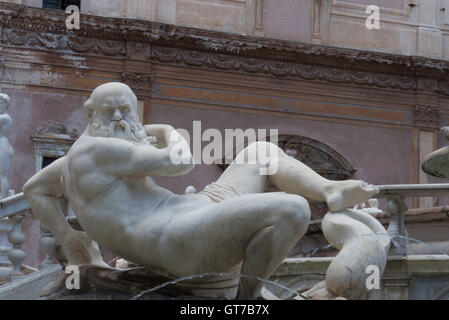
[[102, 283], [414, 277], [96, 294]]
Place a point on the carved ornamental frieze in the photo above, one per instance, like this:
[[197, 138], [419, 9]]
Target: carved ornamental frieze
[[140, 83], [52, 140], [426, 116], [24, 27]]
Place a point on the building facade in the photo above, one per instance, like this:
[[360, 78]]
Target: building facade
[[351, 102]]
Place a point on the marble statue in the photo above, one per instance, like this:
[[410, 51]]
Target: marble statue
[[363, 243], [107, 179], [6, 151]]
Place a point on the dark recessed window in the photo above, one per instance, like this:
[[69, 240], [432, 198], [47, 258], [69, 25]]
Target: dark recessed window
[[46, 161], [60, 4]]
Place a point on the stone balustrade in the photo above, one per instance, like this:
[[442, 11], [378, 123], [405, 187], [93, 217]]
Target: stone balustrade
[[14, 209], [395, 196]]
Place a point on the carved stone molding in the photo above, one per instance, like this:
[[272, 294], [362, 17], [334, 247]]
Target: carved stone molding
[[54, 128], [426, 116], [48, 41], [279, 69], [318, 156], [140, 83], [25, 27], [443, 87], [52, 140]]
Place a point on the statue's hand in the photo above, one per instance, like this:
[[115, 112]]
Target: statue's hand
[[80, 249]]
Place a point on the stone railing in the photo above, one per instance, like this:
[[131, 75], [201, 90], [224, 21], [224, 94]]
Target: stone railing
[[15, 208], [396, 207]]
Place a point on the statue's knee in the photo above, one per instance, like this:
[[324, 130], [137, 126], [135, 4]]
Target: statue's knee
[[263, 147], [296, 210], [28, 187]]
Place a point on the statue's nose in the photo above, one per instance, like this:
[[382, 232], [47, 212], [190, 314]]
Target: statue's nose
[[117, 115]]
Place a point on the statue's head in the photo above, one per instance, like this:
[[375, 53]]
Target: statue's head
[[4, 103], [112, 112]]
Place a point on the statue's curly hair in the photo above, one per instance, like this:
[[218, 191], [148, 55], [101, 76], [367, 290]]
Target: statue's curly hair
[[92, 103]]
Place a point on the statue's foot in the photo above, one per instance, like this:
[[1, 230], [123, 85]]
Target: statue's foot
[[80, 249], [348, 193]]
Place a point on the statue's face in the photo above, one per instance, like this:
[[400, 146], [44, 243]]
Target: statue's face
[[116, 117]]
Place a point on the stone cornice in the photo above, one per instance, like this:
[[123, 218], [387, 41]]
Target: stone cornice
[[29, 27]]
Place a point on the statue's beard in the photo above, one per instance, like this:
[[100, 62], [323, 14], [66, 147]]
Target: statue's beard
[[131, 131]]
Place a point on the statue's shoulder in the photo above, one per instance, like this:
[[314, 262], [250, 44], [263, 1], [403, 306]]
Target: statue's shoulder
[[85, 145], [91, 146]]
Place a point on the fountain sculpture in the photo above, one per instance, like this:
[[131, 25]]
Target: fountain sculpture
[[230, 226]]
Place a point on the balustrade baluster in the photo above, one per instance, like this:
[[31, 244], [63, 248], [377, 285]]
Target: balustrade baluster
[[16, 237], [48, 246]]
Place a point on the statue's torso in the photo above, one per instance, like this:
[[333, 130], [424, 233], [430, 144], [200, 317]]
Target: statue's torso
[[118, 212]]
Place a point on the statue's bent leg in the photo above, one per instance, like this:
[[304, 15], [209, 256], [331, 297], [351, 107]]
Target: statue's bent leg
[[258, 229], [270, 245], [263, 162]]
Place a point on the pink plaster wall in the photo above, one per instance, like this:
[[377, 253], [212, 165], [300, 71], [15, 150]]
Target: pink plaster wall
[[288, 20]]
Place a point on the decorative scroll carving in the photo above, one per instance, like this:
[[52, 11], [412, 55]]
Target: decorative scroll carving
[[53, 128], [52, 140], [140, 83], [279, 69], [196, 47], [35, 40], [426, 116], [443, 87]]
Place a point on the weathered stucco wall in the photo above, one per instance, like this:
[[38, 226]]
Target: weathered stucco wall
[[422, 29]]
